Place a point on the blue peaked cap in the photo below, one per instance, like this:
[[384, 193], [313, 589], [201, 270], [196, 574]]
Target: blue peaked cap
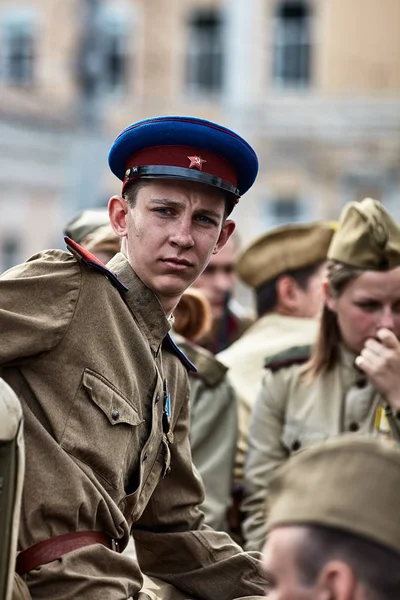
[[165, 134]]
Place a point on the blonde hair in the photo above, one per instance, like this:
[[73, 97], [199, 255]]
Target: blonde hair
[[326, 349], [192, 315]]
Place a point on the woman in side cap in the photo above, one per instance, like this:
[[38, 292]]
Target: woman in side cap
[[350, 380]]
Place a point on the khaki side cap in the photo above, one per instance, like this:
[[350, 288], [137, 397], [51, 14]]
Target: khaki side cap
[[349, 483], [85, 223], [367, 237], [286, 248]]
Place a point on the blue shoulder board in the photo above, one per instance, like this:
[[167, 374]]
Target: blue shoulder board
[[169, 343]]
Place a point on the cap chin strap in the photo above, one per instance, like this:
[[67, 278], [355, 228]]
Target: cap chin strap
[[181, 173]]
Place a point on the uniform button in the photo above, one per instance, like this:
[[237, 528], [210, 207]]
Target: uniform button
[[145, 457], [115, 415], [157, 398], [168, 471], [354, 426], [296, 445]]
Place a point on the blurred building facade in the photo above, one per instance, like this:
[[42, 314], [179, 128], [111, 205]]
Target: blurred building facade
[[313, 84]]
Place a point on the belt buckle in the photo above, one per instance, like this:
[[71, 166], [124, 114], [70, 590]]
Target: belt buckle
[[114, 545]]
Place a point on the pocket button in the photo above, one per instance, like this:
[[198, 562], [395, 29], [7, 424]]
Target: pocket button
[[115, 415], [296, 445]]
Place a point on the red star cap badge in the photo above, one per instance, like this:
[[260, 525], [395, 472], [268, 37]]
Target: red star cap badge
[[196, 162]]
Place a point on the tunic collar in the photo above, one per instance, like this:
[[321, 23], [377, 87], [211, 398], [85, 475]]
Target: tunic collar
[[142, 302]]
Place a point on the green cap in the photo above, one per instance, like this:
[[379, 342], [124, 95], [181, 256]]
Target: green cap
[[367, 237], [285, 248], [349, 483], [85, 223]]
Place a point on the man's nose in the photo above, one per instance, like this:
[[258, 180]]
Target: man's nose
[[182, 234], [223, 281]]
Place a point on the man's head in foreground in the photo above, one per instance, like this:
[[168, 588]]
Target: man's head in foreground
[[181, 178], [334, 532]]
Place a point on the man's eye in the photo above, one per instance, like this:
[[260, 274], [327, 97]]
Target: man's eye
[[207, 220], [163, 211]]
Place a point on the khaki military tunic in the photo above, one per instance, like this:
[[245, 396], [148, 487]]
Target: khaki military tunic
[[91, 362], [245, 359], [213, 431], [290, 414]]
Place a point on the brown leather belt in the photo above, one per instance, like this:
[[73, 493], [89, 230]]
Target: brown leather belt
[[45, 552]]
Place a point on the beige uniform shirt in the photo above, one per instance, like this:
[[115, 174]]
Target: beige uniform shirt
[[245, 358], [213, 431], [289, 415], [91, 363]]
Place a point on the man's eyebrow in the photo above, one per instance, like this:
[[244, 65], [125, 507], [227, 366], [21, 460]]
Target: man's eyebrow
[[166, 202], [201, 211]]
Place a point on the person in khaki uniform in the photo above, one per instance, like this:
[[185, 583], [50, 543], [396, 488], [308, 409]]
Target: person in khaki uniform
[[352, 380], [284, 267], [334, 530], [217, 282], [104, 388], [213, 413]]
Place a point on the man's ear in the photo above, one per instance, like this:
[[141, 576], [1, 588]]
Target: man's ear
[[117, 210], [337, 581], [287, 291], [227, 229], [330, 301]]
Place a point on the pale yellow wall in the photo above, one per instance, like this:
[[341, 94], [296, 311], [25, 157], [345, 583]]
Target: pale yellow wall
[[360, 46], [56, 29]]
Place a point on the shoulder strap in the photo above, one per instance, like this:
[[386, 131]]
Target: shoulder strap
[[93, 263], [169, 343], [286, 358]]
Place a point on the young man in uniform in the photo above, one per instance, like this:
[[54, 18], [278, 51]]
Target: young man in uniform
[[104, 389], [334, 530]]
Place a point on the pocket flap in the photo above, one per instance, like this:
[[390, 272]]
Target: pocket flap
[[114, 405]]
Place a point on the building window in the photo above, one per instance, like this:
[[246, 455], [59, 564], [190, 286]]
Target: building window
[[205, 52], [284, 209], [18, 50], [292, 44], [114, 42], [9, 253]]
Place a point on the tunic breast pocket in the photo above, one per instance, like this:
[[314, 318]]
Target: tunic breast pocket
[[100, 427], [296, 436]]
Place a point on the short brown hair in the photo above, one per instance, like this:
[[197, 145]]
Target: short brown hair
[[377, 567], [326, 349]]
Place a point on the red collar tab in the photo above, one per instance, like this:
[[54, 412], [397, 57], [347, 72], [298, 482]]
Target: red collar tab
[[93, 262]]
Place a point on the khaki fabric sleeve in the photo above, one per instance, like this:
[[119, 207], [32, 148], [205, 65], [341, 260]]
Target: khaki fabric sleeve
[[394, 423], [174, 544], [265, 453], [213, 436], [37, 302]]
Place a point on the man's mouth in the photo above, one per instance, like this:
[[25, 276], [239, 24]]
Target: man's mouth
[[179, 263]]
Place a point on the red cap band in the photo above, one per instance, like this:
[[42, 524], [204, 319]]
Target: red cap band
[[186, 157]]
